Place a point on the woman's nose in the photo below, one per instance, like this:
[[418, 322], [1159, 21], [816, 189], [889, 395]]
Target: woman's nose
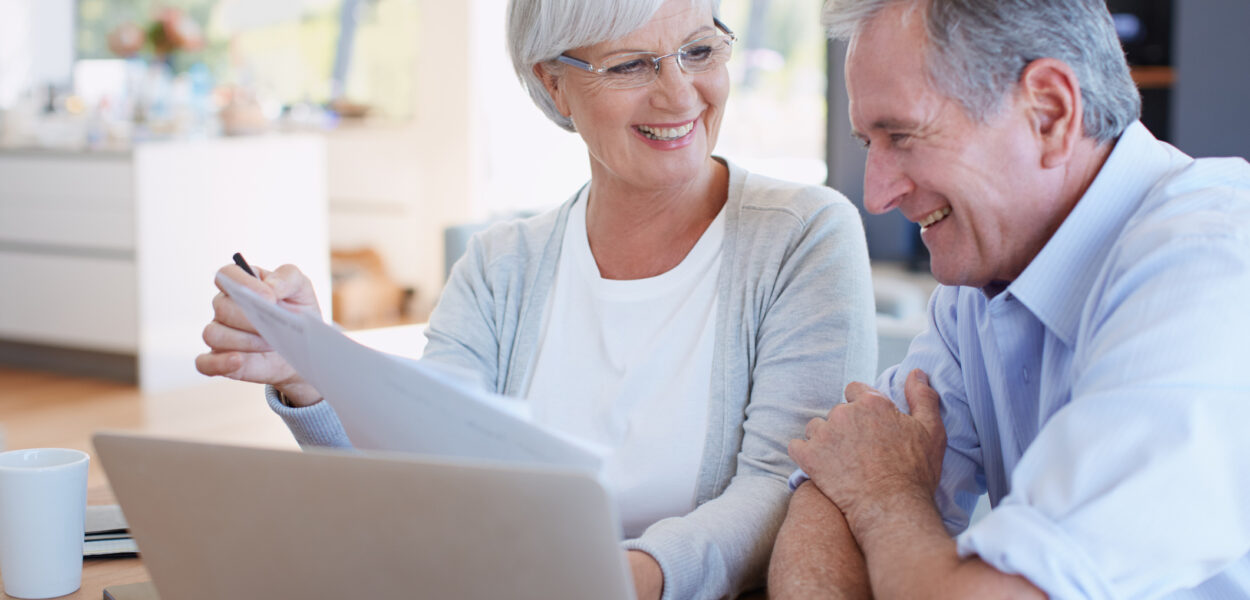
[[673, 88]]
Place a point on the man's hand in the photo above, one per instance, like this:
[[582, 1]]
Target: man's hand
[[866, 451]]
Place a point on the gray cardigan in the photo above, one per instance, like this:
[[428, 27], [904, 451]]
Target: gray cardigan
[[795, 323]]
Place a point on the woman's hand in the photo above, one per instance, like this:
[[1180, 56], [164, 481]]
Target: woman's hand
[[238, 352], [648, 577]]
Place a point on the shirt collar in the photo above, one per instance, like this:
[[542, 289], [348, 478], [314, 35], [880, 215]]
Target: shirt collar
[[1057, 283]]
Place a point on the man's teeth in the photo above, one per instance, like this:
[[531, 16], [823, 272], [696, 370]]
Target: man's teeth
[[934, 217], [666, 134]]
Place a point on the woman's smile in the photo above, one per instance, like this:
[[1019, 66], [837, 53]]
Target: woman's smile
[[667, 136]]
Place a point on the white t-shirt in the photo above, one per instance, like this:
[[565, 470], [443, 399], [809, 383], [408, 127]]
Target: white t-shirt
[[628, 364]]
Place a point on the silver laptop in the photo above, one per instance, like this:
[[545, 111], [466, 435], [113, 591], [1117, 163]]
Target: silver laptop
[[226, 522]]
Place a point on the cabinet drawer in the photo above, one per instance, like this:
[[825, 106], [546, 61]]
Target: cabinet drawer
[[83, 203], [83, 302]]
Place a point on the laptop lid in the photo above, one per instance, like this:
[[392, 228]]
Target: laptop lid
[[218, 522]]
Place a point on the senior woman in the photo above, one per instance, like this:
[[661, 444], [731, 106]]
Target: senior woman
[[683, 312]]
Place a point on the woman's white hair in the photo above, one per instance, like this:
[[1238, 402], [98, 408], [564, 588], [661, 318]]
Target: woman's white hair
[[977, 49], [541, 30]]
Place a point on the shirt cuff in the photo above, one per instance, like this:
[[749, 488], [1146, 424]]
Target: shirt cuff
[[797, 478], [1016, 539]]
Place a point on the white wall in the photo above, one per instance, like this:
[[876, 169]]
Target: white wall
[[395, 187], [476, 147], [36, 45], [522, 159]]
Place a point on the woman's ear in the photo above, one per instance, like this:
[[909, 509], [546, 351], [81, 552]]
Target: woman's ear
[[554, 83], [1052, 94]]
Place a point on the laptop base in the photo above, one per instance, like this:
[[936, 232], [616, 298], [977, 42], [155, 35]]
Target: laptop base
[[132, 591]]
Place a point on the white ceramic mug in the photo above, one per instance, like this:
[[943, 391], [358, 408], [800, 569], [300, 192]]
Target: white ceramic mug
[[43, 496]]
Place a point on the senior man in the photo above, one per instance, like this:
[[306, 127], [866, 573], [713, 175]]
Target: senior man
[[1085, 356]]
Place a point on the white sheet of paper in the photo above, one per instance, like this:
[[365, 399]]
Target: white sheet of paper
[[387, 402]]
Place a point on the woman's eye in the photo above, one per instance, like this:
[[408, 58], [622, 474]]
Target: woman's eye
[[628, 68], [697, 53]]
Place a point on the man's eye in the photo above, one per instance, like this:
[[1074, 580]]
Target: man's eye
[[899, 138], [628, 68]]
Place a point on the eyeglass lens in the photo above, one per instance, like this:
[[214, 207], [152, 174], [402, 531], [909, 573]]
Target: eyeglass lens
[[641, 68]]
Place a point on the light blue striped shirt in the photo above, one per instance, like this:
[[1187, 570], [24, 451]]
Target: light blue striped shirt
[[1103, 397]]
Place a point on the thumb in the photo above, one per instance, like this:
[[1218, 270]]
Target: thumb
[[290, 285], [923, 401]]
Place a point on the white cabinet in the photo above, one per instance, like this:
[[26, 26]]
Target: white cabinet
[[115, 252], [66, 235]]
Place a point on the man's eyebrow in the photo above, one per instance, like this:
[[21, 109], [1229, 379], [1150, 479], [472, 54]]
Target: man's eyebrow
[[887, 124], [890, 123]]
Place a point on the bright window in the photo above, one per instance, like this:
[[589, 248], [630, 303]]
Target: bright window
[[775, 119], [284, 50]]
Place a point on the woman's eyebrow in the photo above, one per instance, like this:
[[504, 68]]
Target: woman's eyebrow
[[689, 38], [699, 32]]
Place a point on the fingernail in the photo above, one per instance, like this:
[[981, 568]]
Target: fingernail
[[921, 376]]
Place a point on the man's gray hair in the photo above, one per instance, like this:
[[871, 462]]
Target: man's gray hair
[[541, 30], [977, 50]]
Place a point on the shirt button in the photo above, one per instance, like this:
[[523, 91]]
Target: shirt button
[[1024, 374]]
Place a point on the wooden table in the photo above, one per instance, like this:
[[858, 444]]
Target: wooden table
[[41, 410]]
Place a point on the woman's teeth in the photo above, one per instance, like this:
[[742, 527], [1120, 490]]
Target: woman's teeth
[[665, 134], [934, 217]]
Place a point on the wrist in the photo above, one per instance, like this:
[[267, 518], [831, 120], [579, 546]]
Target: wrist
[[647, 574], [901, 511], [298, 394]]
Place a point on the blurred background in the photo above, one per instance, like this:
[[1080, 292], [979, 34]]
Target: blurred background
[[142, 142]]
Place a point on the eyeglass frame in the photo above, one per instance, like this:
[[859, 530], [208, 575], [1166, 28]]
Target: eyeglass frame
[[655, 62]]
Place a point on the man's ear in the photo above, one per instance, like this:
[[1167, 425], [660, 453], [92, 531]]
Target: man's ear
[[1052, 95], [554, 82]]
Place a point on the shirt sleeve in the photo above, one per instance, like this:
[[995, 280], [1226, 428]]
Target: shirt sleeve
[[1137, 487], [935, 352], [816, 335]]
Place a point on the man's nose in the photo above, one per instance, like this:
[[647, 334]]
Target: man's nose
[[885, 184]]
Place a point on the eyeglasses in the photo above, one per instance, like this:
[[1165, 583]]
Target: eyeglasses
[[636, 69]]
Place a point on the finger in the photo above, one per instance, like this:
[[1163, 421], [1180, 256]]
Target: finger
[[227, 312], [858, 390], [257, 367], [218, 363], [290, 285], [226, 339], [239, 276], [797, 449], [812, 427], [922, 400], [265, 367]]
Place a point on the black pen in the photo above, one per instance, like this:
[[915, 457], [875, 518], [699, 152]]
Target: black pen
[[238, 260]]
